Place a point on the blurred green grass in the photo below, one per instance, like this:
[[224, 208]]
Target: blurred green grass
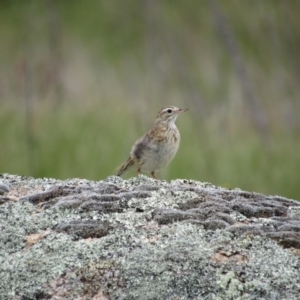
[[91, 143], [81, 81]]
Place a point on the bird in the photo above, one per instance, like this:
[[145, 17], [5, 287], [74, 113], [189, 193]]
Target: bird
[[153, 151]]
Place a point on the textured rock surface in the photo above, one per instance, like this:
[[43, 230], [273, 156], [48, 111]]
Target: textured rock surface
[[145, 239]]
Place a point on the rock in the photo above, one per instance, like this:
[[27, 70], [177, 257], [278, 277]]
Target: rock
[[54, 192], [145, 239], [84, 229], [4, 188]]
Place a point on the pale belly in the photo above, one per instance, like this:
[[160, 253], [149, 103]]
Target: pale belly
[[158, 157]]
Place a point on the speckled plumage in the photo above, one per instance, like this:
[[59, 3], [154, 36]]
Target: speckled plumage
[[156, 148]]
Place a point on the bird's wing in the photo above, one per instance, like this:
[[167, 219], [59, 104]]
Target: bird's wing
[[149, 142], [140, 146]]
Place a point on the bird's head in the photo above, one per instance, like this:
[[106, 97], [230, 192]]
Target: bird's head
[[169, 114]]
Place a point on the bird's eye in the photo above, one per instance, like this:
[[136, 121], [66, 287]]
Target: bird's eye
[[169, 111]]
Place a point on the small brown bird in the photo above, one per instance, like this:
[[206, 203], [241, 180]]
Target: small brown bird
[[157, 147]]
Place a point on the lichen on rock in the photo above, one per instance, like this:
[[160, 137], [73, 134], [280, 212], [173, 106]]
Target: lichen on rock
[[145, 239]]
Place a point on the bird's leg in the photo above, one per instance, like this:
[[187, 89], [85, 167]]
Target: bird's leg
[[139, 172], [153, 175]]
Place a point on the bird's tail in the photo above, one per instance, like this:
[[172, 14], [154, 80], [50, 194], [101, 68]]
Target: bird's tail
[[125, 167]]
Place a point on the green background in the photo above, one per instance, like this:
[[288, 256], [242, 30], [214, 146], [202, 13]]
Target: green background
[[80, 81]]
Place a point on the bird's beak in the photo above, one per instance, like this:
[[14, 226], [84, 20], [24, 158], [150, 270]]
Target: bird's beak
[[181, 110]]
